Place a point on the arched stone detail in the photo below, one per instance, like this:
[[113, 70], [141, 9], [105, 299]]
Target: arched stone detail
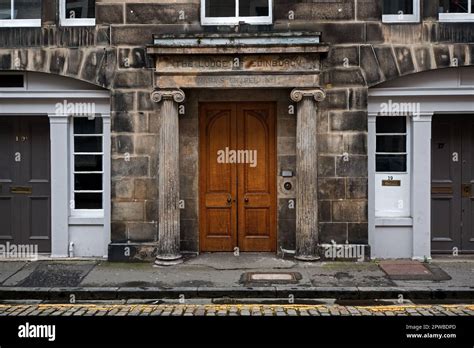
[[96, 66], [382, 63], [371, 65]]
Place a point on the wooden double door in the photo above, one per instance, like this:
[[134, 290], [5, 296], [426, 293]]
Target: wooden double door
[[25, 191], [452, 186], [237, 177]]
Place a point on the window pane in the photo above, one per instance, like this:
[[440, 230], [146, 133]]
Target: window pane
[[88, 144], [391, 163], [454, 6], [83, 125], [80, 8], [11, 81], [5, 9], [87, 182], [252, 8], [27, 9], [88, 201], [88, 163], [391, 124], [391, 143], [220, 8], [398, 6]]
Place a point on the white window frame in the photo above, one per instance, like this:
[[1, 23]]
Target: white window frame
[[405, 177], [256, 20], [31, 23], [86, 213], [72, 22], [458, 17], [404, 18]]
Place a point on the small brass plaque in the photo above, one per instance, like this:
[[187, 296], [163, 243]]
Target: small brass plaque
[[393, 183], [446, 190], [21, 189]]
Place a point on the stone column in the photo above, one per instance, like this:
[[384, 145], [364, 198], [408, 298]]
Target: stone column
[[307, 173], [168, 249]]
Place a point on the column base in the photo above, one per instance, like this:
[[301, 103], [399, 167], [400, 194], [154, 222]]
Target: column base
[[307, 258], [168, 260]]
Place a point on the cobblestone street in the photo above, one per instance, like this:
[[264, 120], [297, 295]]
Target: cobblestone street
[[231, 310]]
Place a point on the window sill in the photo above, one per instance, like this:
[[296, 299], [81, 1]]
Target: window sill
[[82, 22], [456, 17], [393, 221], [20, 23], [395, 19], [216, 21]]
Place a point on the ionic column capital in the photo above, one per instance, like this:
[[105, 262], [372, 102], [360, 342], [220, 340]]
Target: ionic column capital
[[298, 94], [175, 94]]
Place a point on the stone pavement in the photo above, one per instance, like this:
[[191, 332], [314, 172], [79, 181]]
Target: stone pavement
[[223, 274], [231, 310]]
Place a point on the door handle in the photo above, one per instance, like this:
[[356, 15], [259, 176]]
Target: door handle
[[466, 190], [229, 199], [21, 189], [246, 199]]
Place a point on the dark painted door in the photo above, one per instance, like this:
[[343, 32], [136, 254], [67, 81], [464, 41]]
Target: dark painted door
[[237, 198], [25, 204], [452, 207]]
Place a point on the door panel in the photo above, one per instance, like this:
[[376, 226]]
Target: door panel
[[452, 207], [467, 242], [237, 200], [446, 180], [25, 181], [218, 216], [256, 201]]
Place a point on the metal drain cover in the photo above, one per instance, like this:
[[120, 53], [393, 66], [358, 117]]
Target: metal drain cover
[[271, 277]]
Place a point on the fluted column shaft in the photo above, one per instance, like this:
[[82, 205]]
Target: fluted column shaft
[[307, 230], [168, 248]]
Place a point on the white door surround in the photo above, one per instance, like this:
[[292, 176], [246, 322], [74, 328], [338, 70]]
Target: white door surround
[[70, 236], [419, 97]]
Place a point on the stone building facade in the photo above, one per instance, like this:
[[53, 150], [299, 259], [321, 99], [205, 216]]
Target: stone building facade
[[302, 82]]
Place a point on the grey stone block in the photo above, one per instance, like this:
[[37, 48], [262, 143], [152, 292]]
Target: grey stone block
[[127, 211], [358, 233], [351, 166], [136, 166], [349, 211], [109, 13], [405, 60], [348, 121], [142, 232], [357, 188], [332, 231], [331, 188]]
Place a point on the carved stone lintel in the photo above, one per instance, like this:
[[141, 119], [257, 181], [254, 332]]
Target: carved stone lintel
[[298, 94], [160, 94]]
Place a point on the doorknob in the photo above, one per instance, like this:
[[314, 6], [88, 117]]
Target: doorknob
[[246, 200], [466, 190], [229, 199]]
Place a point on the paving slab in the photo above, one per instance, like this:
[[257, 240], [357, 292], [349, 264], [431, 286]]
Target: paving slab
[[51, 274], [228, 261], [9, 268]]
